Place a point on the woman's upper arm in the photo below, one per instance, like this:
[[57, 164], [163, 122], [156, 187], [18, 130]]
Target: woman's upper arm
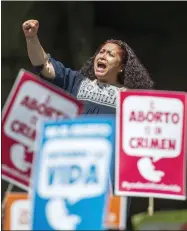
[[61, 76]]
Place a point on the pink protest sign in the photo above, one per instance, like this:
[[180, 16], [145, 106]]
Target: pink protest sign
[[151, 144], [31, 99]]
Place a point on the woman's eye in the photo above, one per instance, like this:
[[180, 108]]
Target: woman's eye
[[112, 55]]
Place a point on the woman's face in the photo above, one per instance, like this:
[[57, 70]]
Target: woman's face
[[108, 63]]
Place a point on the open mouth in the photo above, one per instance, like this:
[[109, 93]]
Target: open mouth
[[101, 66]]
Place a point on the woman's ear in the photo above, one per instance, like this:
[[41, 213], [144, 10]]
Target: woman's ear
[[121, 68]]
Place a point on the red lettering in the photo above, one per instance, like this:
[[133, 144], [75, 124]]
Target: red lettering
[[42, 109], [15, 126], [132, 143], [175, 118], [33, 104], [24, 217], [141, 116], [172, 144], [152, 143], [49, 112], [23, 129], [132, 116], [150, 116], [167, 114], [158, 116], [25, 101], [140, 142]]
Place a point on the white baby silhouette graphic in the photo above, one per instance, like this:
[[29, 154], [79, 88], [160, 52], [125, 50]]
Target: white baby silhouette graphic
[[58, 215], [17, 155], [147, 170]]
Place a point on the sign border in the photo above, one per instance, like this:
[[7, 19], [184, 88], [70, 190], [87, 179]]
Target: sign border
[[7, 107], [117, 191]]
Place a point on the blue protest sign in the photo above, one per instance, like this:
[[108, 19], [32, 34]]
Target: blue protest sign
[[71, 174]]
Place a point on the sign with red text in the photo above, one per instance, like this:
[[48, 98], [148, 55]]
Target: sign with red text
[[31, 100], [17, 212], [151, 144]]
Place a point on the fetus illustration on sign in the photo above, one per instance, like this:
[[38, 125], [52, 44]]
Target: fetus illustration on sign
[[152, 130], [59, 217], [148, 171], [17, 155]]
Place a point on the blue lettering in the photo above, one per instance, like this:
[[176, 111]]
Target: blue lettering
[[75, 174], [92, 176], [51, 172], [58, 175], [72, 174]]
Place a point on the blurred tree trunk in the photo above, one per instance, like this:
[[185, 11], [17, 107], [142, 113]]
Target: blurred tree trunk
[[81, 26]]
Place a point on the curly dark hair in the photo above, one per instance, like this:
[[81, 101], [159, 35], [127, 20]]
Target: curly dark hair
[[134, 74]]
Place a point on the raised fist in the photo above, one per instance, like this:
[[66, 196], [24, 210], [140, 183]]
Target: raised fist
[[30, 28]]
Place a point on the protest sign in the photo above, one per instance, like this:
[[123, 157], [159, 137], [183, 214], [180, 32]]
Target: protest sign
[[116, 213], [70, 174], [151, 144], [30, 100], [17, 212]]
